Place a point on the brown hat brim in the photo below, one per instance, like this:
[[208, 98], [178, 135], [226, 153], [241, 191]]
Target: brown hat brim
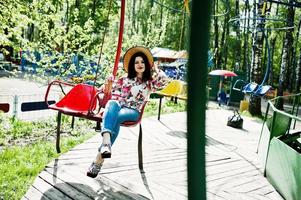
[[130, 52]]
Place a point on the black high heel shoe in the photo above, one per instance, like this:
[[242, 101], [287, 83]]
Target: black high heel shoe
[[105, 150]]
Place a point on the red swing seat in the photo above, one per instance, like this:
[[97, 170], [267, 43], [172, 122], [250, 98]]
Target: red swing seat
[[77, 101], [80, 101]]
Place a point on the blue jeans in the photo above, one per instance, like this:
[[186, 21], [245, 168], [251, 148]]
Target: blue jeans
[[114, 115]]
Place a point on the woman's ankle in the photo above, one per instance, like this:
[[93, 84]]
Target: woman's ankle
[[99, 160], [106, 138]]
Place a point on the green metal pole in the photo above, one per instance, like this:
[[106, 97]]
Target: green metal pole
[[196, 106]]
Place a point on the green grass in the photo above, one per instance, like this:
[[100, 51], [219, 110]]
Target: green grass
[[27, 147], [20, 165], [167, 106]]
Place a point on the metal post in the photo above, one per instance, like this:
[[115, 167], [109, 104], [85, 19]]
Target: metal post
[[230, 93], [196, 105], [15, 110], [72, 122], [140, 153], [58, 132], [297, 109], [160, 104], [270, 138], [263, 124], [98, 126]]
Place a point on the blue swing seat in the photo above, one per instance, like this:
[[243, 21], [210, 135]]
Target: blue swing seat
[[255, 89], [262, 90], [249, 88]]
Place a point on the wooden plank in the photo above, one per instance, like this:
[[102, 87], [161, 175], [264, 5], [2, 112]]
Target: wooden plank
[[168, 185], [266, 189], [72, 190], [224, 182], [126, 153], [215, 170], [127, 172], [33, 193], [236, 195], [122, 162], [140, 184], [212, 196], [274, 195], [223, 175], [155, 168], [48, 190], [97, 188], [251, 186], [132, 175], [237, 181], [221, 162]]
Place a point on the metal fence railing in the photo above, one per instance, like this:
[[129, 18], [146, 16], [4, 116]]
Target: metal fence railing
[[279, 146], [29, 107]]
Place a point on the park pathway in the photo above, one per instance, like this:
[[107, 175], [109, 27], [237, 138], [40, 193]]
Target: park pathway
[[232, 167]]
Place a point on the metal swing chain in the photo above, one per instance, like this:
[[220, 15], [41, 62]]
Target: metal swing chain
[[102, 43], [98, 62]]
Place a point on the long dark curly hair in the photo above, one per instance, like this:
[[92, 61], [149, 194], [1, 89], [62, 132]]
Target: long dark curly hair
[[131, 67]]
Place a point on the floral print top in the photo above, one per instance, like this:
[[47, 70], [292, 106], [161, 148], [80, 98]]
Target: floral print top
[[132, 93]]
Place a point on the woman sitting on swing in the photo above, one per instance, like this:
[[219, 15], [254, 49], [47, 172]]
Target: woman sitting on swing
[[128, 96]]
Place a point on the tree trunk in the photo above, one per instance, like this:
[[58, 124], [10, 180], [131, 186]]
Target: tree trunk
[[237, 30], [265, 55], [30, 32], [77, 5], [298, 64], [245, 33], [284, 69], [182, 31], [216, 34], [272, 47], [290, 38], [67, 16], [298, 76], [133, 17], [161, 15], [221, 51], [138, 26], [256, 75], [271, 75], [246, 65], [93, 9], [151, 3], [225, 50], [222, 57]]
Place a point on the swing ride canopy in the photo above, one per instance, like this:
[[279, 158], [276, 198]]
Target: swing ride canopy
[[165, 53]]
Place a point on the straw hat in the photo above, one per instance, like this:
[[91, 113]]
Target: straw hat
[[130, 52]]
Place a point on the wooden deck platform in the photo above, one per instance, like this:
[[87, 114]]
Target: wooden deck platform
[[233, 171]]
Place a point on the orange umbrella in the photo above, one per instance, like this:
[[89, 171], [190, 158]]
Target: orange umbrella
[[221, 72]]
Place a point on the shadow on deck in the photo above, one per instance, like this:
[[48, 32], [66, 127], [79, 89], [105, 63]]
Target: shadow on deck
[[232, 167]]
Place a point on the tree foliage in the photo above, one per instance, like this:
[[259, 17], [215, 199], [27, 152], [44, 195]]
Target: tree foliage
[[60, 29]]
